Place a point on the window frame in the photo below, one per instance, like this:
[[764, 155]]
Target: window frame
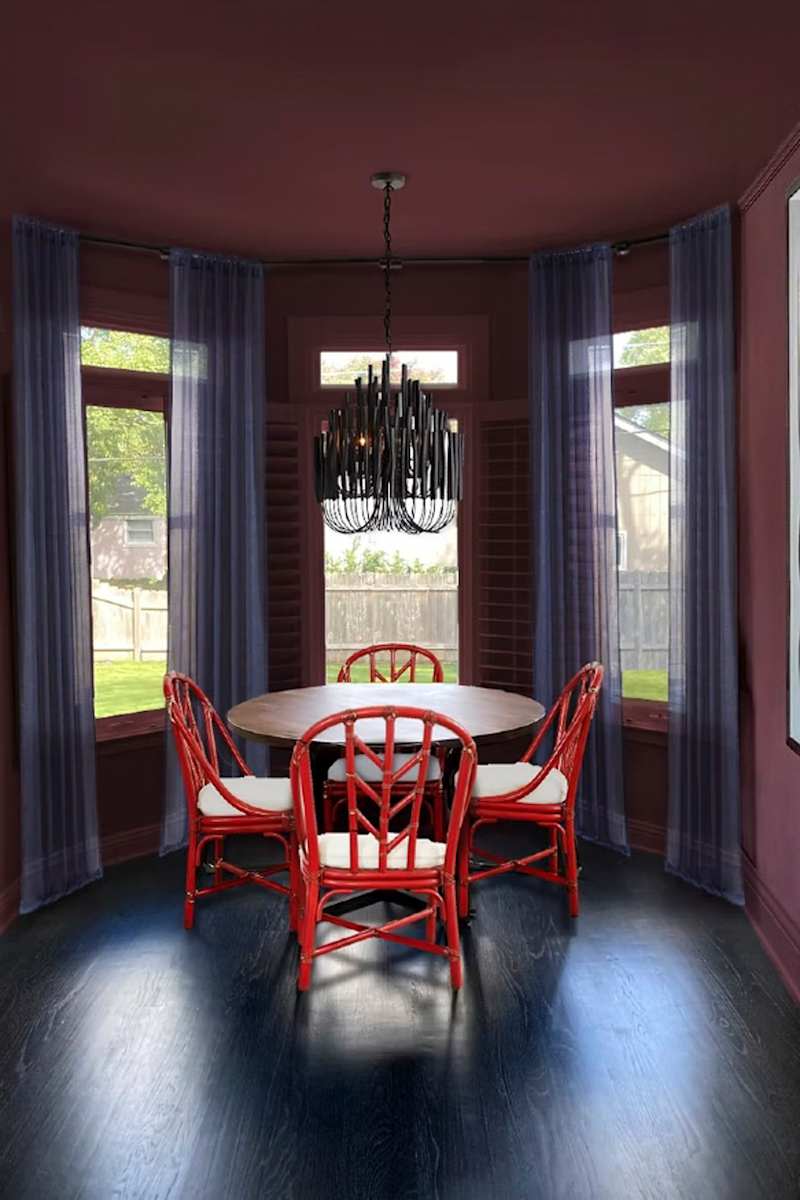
[[113, 387], [307, 336], [640, 386]]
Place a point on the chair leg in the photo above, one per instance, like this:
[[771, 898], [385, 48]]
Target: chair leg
[[554, 848], [453, 941], [294, 882], [572, 869], [430, 924], [463, 870], [191, 881], [307, 935]]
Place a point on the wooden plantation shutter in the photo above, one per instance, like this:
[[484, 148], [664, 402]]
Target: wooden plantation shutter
[[284, 566], [505, 656]]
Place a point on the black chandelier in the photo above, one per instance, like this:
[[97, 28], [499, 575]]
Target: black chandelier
[[388, 461]]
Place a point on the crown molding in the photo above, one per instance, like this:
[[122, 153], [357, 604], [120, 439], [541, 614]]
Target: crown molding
[[771, 170]]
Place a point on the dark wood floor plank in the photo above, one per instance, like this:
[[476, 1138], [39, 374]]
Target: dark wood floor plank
[[648, 1051]]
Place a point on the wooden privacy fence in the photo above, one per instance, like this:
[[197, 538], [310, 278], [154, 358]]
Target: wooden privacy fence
[[378, 607], [644, 620], [363, 608], [128, 623], [131, 623]]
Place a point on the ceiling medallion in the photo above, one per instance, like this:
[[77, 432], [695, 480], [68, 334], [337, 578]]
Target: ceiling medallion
[[388, 460]]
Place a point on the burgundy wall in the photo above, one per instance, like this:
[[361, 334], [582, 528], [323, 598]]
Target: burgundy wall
[[771, 771], [131, 290]]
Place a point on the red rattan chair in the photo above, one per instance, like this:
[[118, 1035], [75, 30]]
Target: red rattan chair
[[539, 795], [397, 671], [402, 667], [223, 805], [370, 855]]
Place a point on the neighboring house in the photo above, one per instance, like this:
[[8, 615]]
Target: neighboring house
[[129, 543], [643, 497]]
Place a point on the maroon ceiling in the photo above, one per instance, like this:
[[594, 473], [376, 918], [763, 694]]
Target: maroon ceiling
[[245, 126]]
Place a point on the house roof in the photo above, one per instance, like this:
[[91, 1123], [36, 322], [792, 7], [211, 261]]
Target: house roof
[[641, 444]]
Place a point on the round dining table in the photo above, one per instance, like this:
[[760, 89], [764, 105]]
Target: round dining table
[[489, 715]]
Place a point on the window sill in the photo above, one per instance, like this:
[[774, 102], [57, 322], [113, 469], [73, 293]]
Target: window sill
[[129, 725], [651, 716]]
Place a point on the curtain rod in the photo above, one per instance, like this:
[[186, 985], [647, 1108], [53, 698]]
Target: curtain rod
[[620, 248]]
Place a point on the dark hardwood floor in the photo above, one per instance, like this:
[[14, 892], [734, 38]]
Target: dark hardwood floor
[[648, 1050]]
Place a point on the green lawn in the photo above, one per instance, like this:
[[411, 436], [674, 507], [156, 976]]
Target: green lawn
[[644, 685], [639, 685], [125, 687], [360, 673]]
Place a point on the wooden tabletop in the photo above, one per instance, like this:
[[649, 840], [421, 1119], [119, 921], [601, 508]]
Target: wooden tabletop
[[280, 718]]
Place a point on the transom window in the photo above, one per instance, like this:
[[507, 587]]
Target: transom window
[[124, 351], [338, 368], [641, 347]]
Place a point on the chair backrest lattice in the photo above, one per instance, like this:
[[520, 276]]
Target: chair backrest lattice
[[200, 735], [373, 805], [403, 658], [570, 721]]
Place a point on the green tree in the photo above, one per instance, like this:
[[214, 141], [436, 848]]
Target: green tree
[[652, 417], [125, 445], [123, 350], [646, 347], [350, 558], [374, 560], [346, 371]]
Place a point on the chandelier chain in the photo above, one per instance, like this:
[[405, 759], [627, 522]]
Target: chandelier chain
[[387, 268]]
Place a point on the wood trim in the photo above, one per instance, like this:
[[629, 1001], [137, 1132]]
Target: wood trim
[[130, 843], [310, 404], [641, 385], [773, 168], [646, 836], [649, 715], [777, 931], [110, 387], [9, 905], [307, 336], [114, 848], [120, 730]]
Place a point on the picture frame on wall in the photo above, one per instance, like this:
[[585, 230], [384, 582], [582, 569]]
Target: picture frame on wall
[[793, 470]]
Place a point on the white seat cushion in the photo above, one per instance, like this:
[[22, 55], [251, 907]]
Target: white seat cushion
[[495, 779], [334, 851], [366, 769], [273, 795]]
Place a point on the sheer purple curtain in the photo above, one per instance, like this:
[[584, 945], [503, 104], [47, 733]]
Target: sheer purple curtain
[[60, 847], [217, 606], [704, 822], [574, 518]]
